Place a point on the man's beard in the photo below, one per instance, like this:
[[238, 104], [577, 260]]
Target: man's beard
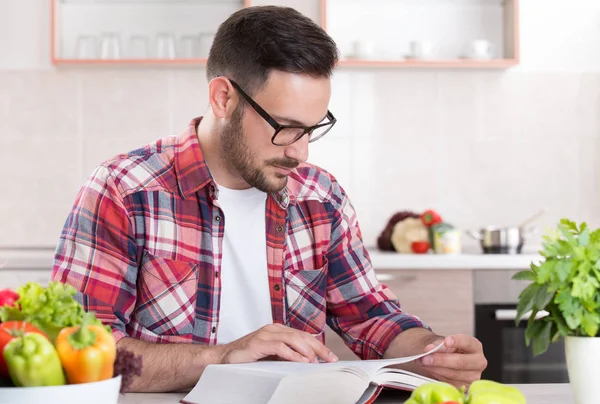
[[241, 160]]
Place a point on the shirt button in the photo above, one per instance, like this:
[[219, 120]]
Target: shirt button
[[279, 229], [216, 274], [214, 330], [277, 287], [217, 218]]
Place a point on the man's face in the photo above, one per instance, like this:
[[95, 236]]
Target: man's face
[[290, 99]]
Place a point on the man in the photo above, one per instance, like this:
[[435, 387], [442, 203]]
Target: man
[[223, 245]]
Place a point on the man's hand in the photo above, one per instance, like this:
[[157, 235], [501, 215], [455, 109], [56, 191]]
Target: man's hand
[[276, 340], [459, 362]]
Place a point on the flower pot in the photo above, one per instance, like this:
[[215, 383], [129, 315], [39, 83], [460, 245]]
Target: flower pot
[[583, 357]]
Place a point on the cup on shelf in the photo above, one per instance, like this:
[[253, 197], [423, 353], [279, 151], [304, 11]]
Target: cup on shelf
[[110, 45], [189, 47], [363, 49], [165, 46], [205, 40], [480, 49], [420, 50], [139, 47], [86, 47]]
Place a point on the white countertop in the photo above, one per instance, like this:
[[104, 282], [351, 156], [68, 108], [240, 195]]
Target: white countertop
[[41, 258], [534, 394], [392, 260]]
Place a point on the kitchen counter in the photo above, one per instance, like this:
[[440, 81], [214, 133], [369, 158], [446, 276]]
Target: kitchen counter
[[32, 258], [534, 393], [393, 260]]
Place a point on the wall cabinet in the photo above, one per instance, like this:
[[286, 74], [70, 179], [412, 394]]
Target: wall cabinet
[[441, 298], [424, 33], [136, 31], [385, 33]]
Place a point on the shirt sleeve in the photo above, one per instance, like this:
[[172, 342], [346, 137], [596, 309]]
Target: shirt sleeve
[[97, 252], [364, 312]]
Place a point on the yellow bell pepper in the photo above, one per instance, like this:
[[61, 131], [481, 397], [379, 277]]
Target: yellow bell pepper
[[87, 352]]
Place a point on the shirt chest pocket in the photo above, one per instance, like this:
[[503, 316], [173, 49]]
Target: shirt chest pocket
[[306, 299], [167, 291]]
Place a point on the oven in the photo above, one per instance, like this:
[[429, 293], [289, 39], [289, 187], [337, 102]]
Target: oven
[[509, 360]]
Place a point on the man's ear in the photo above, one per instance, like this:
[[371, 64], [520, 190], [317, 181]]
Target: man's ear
[[222, 97]]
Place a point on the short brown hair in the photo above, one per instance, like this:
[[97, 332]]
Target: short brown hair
[[256, 40]]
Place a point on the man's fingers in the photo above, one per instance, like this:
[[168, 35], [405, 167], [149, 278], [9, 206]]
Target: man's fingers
[[321, 350], [443, 349], [303, 343], [283, 351], [464, 343], [455, 361]]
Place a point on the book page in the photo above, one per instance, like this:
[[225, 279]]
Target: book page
[[372, 366]]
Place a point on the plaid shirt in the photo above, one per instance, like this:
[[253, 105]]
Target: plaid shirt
[[143, 247]]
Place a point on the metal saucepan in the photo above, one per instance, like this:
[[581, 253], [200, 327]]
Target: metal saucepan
[[501, 240]]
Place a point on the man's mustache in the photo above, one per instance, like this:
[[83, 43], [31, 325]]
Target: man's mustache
[[284, 163]]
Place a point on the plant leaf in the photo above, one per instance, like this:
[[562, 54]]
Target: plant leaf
[[542, 340], [584, 237], [526, 275], [590, 323], [545, 270], [526, 300], [563, 270], [542, 297], [568, 224]]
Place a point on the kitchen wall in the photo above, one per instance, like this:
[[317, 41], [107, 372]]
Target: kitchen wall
[[481, 147]]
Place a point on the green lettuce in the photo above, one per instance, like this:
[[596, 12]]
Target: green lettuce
[[50, 309]]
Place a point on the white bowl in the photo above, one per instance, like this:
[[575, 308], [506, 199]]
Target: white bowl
[[104, 392]]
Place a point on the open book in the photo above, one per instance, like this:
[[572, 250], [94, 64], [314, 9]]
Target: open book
[[278, 382]]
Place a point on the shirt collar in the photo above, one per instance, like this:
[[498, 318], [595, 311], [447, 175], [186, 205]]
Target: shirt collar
[[193, 173]]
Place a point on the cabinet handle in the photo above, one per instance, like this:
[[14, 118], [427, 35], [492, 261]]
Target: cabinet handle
[[504, 315]]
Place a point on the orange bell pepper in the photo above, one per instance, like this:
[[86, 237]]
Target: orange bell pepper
[[87, 352]]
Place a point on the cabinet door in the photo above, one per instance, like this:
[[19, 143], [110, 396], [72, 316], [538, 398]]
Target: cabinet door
[[441, 298]]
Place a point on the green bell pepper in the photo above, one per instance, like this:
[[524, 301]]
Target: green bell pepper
[[490, 392], [32, 360], [435, 393]]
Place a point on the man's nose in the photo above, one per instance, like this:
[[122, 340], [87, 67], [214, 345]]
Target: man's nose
[[298, 150]]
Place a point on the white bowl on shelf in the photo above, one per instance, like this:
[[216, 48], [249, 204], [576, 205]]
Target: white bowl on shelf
[[103, 392]]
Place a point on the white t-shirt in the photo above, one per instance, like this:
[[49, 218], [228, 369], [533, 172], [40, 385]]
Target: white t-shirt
[[245, 298]]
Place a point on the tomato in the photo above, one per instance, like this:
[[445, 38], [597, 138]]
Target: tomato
[[8, 297], [420, 247], [8, 331]]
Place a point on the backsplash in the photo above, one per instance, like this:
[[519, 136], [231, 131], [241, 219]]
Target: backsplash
[[480, 147]]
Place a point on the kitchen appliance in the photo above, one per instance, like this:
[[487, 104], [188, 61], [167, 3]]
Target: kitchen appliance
[[505, 240], [500, 240], [509, 359]]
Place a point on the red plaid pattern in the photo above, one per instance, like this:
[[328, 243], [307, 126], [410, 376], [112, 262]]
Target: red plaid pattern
[[142, 245]]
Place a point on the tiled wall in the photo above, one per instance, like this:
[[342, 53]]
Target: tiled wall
[[481, 147]]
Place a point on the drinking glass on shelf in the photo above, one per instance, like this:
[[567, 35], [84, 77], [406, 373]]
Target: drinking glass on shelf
[[86, 47], [189, 47], [165, 46], [206, 40], [138, 47], [110, 46]]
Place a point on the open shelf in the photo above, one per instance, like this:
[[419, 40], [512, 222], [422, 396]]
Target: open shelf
[[136, 32], [460, 63], [455, 33]]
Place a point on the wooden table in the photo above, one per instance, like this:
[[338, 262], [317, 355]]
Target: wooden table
[[535, 394]]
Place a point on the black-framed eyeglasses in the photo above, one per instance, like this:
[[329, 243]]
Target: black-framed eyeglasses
[[287, 134]]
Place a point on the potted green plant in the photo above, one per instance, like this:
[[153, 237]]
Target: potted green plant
[[565, 290]]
